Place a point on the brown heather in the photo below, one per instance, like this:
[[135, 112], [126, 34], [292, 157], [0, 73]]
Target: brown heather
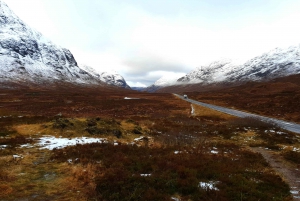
[[178, 151]]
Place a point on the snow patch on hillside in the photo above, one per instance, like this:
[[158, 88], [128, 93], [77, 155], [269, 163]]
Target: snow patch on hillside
[[27, 56], [216, 71], [109, 76], [168, 79]]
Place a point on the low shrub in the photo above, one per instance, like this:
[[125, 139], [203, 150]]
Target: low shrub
[[293, 156], [137, 130], [277, 137], [94, 130], [143, 173], [62, 123], [5, 190], [14, 141], [117, 133], [5, 132], [98, 126], [253, 123]]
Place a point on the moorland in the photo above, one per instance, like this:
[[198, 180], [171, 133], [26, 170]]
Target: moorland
[[151, 147]]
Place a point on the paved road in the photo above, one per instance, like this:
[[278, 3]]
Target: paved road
[[283, 124]]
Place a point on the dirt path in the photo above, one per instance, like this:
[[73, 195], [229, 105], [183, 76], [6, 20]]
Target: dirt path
[[289, 173]]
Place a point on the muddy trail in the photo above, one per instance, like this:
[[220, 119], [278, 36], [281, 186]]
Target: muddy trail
[[290, 173]]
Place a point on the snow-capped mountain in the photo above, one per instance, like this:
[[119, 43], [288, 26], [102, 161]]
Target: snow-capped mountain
[[276, 63], [166, 80], [215, 72], [27, 56], [111, 78]]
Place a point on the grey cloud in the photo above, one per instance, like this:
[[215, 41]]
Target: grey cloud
[[149, 69], [145, 79], [143, 66], [148, 78]]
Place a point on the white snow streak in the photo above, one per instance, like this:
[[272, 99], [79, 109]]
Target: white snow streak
[[50, 142]]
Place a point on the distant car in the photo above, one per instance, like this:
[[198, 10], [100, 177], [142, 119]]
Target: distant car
[[185, 96]]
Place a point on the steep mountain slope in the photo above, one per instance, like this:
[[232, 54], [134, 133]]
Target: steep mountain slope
[[111, 78], [276, 63], [215, 72], [27, 57]]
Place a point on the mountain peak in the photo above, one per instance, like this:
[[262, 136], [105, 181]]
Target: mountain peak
[[5, 11], [168, 79], [109, 77], [278, 62], [27, 56], [214, 72], [9, 21]]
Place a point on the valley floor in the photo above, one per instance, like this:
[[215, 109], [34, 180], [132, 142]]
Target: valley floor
[[88, 144]]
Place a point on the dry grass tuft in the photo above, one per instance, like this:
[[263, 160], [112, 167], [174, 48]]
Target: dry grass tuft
[[206, 112], [81, 179], [5, 190]]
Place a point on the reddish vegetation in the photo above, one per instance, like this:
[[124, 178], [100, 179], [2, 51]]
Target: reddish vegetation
[[170, 173], [79, 101], [278, 98], [179, 150]]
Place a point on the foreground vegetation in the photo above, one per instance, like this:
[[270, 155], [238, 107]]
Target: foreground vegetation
[[154, 149]]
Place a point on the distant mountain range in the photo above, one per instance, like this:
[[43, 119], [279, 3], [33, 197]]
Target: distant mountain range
[[26, 56], [276, 63]]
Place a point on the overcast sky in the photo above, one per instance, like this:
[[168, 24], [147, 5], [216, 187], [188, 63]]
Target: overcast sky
[[146, 39]]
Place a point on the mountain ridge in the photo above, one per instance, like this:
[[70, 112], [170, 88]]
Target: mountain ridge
[[26, 56], [111, 78], [278, 62]]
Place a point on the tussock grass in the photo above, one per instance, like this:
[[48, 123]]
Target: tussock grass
[[14, 141], [292, 156], [120, 168], [213, 114], [254, 123]]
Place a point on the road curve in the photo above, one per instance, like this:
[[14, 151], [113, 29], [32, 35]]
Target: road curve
[[290, 126]]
